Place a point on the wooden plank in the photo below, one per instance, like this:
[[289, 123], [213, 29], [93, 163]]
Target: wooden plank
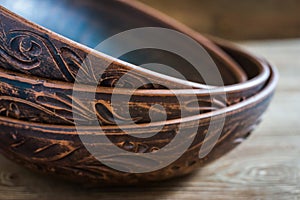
[[267, 166]]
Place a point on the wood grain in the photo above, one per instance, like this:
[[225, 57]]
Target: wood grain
[[267, 166]]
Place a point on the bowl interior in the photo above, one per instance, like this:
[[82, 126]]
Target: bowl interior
[[91, 22]]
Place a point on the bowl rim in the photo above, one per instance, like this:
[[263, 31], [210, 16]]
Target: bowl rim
[[261, 78], [71, 130]]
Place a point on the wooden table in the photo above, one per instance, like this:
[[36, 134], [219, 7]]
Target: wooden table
[[267, 166]]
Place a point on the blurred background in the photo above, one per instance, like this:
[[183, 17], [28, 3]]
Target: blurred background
[[236, 19]]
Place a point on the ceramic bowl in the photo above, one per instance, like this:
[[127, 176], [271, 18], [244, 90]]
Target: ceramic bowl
[[86, 139], [62, 150]]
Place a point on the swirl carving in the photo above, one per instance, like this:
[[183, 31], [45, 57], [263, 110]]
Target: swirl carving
[[27, 50], [39, 103], [34, 53]]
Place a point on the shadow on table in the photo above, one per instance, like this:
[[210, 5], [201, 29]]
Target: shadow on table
[[19, 183]]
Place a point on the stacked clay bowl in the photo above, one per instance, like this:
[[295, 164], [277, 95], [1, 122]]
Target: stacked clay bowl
[[86, 139]]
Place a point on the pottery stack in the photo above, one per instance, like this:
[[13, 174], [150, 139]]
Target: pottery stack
[[72, 109]]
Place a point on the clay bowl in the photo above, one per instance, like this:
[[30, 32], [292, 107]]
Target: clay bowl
[[39, 68], [45, 101], [58, 150], [58, 52]]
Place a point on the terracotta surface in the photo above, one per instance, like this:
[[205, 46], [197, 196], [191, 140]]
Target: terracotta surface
[[59, 151]]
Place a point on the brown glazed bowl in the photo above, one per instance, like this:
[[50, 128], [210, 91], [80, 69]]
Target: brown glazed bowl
[[35, 50], [59, 150], [39, 110], [28, 98]]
